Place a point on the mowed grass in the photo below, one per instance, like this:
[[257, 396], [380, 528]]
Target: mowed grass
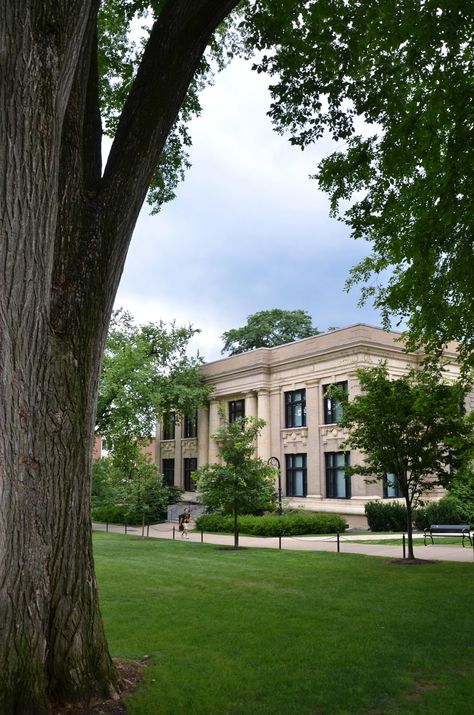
[[287, 633]]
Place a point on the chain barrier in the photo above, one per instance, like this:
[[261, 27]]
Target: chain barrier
[[169, 531]]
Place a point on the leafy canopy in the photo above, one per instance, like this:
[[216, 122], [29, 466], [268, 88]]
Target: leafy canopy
[[411, 427], [124, 28], [269, 328], [241, 483], [146, 373], [393, 82]]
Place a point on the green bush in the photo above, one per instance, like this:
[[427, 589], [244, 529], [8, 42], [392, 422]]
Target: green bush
[[448, 510], [274, 525], [386, 516], [113, 513], [121, 514]]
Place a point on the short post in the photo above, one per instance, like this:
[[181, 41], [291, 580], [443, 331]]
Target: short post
[[279, 541], [202, 536], [143, 525], [125, 527], [106, 527], [338, 544], [147, 530], [174, 532], [404, 547]]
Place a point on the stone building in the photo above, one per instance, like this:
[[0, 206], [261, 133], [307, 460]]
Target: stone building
[[286, 387]]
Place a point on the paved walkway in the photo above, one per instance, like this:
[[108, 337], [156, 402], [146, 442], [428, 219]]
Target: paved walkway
[[347, 543]]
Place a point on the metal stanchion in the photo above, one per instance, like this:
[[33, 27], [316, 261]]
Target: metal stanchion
[[202, 536], [404, 547], [148, 530], [174, 532], [125, 527], [106, 527], [279, 541], [143, 526], [338, 544]]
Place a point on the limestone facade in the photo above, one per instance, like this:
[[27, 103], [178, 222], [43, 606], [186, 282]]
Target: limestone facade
[[286, 386]]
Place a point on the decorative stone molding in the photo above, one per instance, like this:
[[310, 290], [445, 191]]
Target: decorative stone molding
[[167, 447], [189, 446], [330, 432], [295, 437]]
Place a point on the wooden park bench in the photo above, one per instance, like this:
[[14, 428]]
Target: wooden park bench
[[462, 530]]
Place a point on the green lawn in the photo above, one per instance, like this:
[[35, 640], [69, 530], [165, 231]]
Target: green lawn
[[263, 632]]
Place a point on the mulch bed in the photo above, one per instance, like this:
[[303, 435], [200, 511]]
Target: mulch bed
[[130, 672], [412, 562]]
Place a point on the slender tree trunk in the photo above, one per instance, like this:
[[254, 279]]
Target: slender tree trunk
[[411, 553], [236, 527]]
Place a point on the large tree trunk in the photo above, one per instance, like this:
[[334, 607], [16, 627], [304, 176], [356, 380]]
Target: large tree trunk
[[51, 639], [64, 237]]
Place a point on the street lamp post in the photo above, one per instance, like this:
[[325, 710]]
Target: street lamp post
[[275, 462]]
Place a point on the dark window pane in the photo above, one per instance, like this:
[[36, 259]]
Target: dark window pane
[[296, 478], [168, 472], [236, 410], [332, 407], [391, 490], [169, 426], [190, 426], [189, 466], [295, 408], [338, 486]]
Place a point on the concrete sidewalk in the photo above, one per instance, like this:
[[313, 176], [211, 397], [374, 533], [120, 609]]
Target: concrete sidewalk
[[347, 543]]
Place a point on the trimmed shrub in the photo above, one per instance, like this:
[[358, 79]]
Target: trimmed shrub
[[447, 511], [274, 525], [122, 514], [386, 516]]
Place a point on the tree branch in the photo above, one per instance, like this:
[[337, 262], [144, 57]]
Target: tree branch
[[177, 42]]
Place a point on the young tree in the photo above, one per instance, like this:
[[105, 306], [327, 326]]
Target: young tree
[[267, 329], [404, 70], [411, 428], [241, 483], [146, 373]]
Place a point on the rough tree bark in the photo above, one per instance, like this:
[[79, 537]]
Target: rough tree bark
[[64, 234]]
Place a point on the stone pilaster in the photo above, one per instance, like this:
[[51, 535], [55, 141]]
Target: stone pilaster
[[251, 404], [203, 435], [214, 424], [264, 438]]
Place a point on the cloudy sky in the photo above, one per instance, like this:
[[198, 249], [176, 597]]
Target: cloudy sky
[[248, 230]]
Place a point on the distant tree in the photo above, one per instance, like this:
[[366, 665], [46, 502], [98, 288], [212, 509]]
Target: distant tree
[[404, 70], [140, 496], [146, 373], [269, 328], [242, 483], [411, 429]]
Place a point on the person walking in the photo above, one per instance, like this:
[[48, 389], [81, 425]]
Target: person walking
[[186, 523]]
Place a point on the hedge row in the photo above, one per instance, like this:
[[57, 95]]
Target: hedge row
[[446, 511], [273, 525], [120, 514], [392, 516]]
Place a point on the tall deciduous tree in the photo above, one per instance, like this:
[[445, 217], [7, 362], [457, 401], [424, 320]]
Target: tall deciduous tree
[[269, 328], [146, 373], [65, 229], [412, 428], [405, 69], [241, 483]]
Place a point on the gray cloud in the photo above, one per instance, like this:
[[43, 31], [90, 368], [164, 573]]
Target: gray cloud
[[248, 230]]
